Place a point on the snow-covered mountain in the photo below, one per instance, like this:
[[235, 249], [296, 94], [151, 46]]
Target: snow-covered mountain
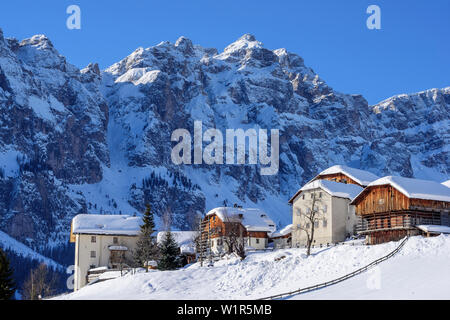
[[74, 141]]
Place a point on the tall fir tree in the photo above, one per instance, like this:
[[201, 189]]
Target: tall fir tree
[[169, 253], [146, 247], [149, 222], [7, 284]]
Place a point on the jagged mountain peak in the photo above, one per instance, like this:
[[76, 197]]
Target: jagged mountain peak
[[247, 41], [185, 45], [39, 41]]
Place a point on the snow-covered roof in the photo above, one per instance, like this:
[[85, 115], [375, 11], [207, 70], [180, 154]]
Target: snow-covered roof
[[335, 189], [253, 219], [360, 176], [106, 224], [416, 188], [184, 239], [285, 231], [434, 228], [446, 183]]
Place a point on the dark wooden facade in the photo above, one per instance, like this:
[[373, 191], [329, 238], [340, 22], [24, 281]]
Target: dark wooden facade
[[386, 214], [338, 177], [219, 228]]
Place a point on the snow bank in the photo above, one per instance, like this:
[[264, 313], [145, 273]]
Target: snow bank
[[269, 273]]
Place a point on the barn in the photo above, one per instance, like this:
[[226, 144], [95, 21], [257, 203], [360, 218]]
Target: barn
[[392, 207]]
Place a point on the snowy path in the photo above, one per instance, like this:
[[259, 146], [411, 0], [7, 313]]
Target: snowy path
[[419, 269]]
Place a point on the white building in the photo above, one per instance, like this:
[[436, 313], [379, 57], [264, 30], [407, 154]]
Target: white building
[[102, 241], [335, 217]]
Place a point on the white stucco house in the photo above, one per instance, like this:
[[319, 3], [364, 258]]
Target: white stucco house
[[336, 217], [102, 242]]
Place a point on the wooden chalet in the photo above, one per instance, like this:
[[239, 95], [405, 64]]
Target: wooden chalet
[[392, 207], [251, 225]]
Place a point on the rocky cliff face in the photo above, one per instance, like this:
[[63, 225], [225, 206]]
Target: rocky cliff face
[[88, 141]]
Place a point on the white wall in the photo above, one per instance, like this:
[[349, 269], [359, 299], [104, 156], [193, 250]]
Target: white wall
[[339, 219], [84, 246]]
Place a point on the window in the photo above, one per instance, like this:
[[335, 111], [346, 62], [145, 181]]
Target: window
[[324, 208], [324, 223], [299, 226], [316, 224], [307, 225], [299, 212], [312, 195], [93, 254], [219, 242], [115, 240], [320, 194], [93, 239], [257, 241], [303, 197]]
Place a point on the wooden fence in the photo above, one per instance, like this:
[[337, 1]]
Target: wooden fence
[[343, 278]]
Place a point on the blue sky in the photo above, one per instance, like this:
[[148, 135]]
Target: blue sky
[[409, 54]]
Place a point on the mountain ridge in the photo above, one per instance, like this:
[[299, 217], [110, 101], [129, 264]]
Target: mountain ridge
[[98, 141]]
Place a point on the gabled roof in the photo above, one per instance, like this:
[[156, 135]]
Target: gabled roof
[[360, 176], [106, 224], [285, 231], [252, 219], [335, 189], [414, 188]]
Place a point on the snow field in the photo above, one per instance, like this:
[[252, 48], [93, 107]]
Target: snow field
[[263, 274]]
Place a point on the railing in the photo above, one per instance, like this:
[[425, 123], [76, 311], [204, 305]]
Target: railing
[[378, 222], [335, 281]]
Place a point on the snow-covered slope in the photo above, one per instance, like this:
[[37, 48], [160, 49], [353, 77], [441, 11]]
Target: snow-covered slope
[[419, 270], [8, 243]]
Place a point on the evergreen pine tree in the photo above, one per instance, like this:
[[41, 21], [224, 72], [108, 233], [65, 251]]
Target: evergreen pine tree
[[169, 253], [146, 247], [7, 285], [149, 222]]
